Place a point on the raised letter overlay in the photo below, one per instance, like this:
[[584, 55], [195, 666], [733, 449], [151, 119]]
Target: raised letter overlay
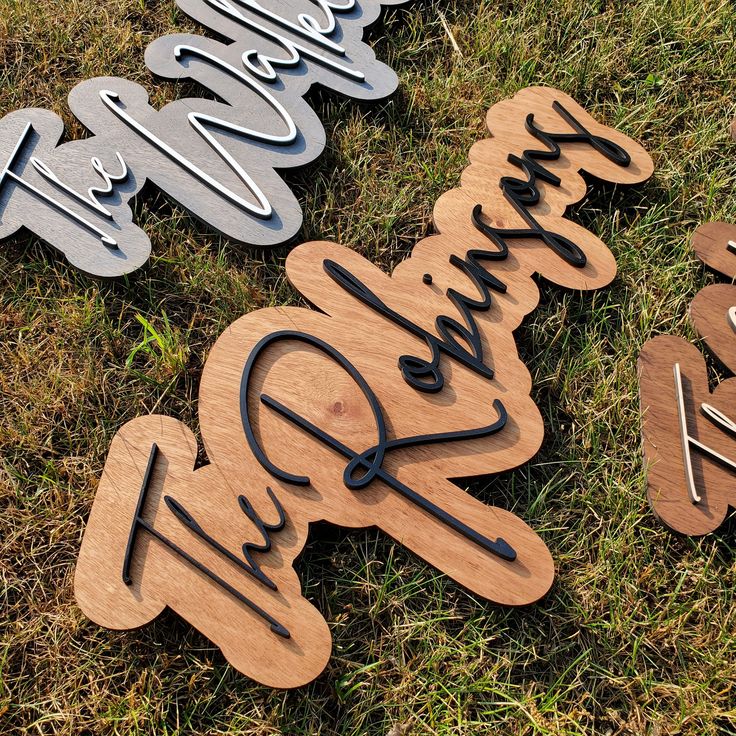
[[361, 413], [219, 158]]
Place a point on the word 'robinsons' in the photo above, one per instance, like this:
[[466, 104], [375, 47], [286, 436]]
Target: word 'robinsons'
[[361, 411]]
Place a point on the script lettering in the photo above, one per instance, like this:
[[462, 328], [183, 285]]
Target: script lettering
[[690, 454], [220, 161], [308, 402]]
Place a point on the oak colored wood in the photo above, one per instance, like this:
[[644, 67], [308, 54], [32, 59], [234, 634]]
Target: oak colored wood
[[337, 369], [666, 484], [219, 158]]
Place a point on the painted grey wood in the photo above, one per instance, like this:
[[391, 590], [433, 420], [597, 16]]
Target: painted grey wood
[[219, 158]]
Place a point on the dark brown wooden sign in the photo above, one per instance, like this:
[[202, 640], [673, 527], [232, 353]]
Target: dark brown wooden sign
[[219, 158], [361, 413], [689, 432]]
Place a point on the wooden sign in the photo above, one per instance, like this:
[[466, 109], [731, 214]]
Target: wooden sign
[[361, 413], [689, 432], [219, 158]]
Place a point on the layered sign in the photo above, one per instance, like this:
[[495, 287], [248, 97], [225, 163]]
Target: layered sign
[[218, 157], [689, 433], [361, 413]]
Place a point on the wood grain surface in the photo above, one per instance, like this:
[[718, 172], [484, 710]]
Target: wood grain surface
[[710, 243], [321, 406], [662, 441], [712, 315], [219, 158], [670, 457]]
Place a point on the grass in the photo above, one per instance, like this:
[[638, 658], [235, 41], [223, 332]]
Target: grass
[[638, 635]]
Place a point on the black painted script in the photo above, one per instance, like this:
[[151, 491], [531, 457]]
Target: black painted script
[[218, 157], [361, 412]]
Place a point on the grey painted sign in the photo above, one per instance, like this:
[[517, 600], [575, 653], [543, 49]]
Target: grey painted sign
[[218, 157]]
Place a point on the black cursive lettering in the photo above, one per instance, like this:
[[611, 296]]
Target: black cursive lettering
[[370, 461]]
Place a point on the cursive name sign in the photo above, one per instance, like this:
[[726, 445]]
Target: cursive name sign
[[689, 432], [362, 412], [218, 157]]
